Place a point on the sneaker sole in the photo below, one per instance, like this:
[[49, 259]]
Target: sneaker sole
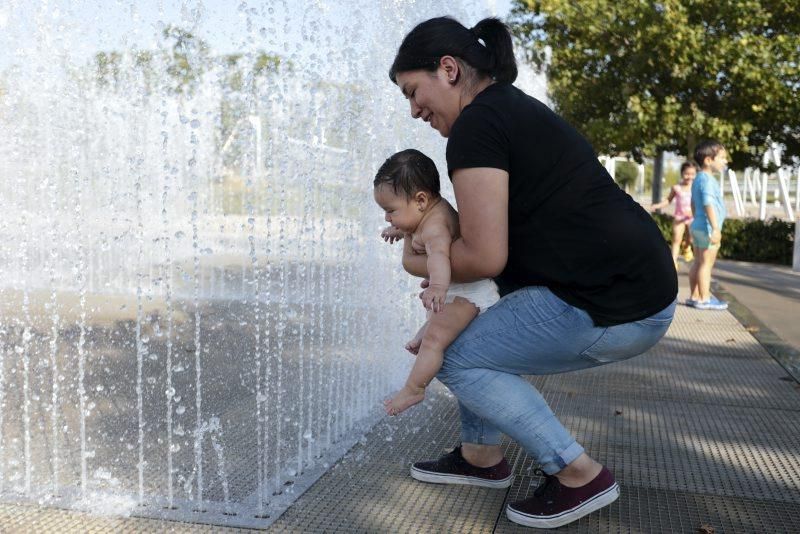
[[568, 516], [439, 478], [713, 307]]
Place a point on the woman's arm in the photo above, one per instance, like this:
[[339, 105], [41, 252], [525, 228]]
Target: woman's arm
[[482, 249], [482, 199], [414, 264]]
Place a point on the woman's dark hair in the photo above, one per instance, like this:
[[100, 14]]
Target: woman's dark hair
[[409, 171], [707, 149], [687, 164], [487, 48]]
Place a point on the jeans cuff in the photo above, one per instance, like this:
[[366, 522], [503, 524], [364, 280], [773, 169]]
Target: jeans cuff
[[478, 438], [562, 460]]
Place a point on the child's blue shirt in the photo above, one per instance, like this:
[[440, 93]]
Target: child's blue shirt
[[706, 192]]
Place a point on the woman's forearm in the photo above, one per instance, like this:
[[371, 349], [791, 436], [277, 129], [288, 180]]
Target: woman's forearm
[[468, 264]]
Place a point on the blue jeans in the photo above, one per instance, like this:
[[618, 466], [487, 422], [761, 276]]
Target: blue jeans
[[533, 332]]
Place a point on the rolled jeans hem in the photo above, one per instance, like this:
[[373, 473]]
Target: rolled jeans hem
[[559, 462]]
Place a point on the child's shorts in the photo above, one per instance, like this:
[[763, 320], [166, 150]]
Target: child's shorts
[[483, 293], [702, 239]]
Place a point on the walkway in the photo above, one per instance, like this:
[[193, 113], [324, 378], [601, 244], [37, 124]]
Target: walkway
[[701, 433]]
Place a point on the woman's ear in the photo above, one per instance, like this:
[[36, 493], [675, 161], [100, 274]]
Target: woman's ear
[[450, 67]]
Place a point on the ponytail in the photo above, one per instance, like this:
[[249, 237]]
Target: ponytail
[[497, 39], [487, 48]]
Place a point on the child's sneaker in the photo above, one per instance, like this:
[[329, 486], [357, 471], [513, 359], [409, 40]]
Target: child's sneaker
[[452, 468], [712, 303], [691, 302], [553, 505]]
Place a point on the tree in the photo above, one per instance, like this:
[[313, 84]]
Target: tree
[[643, 77]]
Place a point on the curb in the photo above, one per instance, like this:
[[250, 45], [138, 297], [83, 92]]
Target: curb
[[786, 355]]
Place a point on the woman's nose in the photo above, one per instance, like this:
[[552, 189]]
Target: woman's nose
[[415, 109]]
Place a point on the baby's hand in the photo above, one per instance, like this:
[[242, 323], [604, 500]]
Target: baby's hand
[[391, 234], [433, 297]]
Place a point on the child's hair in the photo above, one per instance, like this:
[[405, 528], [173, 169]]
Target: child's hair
[[707, 149], [409, 171], [687, 165]]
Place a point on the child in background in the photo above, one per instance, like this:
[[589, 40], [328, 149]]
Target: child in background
[[709, 215], [407, 188], [682, 194]]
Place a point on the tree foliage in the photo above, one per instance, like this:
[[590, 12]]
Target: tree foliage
[[181, 62], [639, 76]]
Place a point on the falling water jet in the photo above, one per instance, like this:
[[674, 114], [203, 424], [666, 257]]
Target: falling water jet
[[53, 260], [3, 348], [166, 277], [321, 344], [215, 432], [198, 446], [24, 349], [81, 279], [281, 326], [267, 347]]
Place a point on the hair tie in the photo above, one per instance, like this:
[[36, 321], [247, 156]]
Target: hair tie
[[479, 39]]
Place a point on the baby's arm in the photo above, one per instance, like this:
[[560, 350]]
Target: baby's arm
[[437, 241]]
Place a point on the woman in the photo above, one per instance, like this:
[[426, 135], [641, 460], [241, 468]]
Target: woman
[[586, 275]]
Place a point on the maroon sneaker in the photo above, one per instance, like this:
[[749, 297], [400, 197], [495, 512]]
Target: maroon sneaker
[[553, 505], [452, 468]]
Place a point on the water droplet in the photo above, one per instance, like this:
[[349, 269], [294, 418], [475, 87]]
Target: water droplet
[[180, 409]]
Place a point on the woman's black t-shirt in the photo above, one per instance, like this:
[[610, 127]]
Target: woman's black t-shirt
[[571, 228]]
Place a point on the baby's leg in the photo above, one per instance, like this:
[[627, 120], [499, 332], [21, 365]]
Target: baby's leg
[[413, 345], [442, 329]]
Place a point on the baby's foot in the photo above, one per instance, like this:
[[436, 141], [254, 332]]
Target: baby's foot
[[403, 400], [415, 343]]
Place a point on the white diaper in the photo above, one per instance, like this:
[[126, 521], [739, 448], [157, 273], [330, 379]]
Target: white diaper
[[483, 293]]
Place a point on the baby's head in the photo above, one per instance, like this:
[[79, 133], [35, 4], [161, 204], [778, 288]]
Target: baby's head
[[406, 185]]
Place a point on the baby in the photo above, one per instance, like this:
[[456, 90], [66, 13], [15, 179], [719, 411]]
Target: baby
[[407, 188]]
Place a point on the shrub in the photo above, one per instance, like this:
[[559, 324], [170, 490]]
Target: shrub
[[770, 241]]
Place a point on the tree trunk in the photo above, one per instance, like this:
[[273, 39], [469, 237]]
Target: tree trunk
[[691, 143], [658, 176]]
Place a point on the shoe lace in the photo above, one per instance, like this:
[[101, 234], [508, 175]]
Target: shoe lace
[[548, 487]]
